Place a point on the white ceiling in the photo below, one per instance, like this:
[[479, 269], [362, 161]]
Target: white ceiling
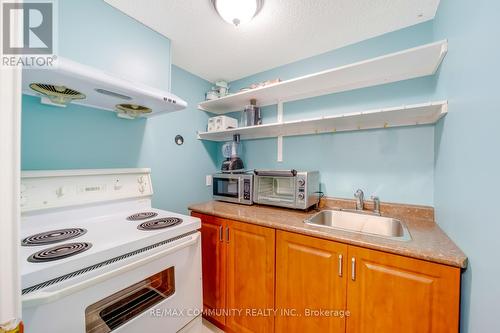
[[283, 32]]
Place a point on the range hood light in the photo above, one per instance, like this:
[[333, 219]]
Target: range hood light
[[131, 111], [56, 94]]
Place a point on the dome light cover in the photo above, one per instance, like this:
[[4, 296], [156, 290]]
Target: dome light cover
[[237, 11]]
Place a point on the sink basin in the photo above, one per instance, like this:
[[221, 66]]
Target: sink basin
[[372, 225]]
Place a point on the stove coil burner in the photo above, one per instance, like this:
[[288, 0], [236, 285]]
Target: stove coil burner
[[142, 216], [53, 236], [159, 223], [59, 252]]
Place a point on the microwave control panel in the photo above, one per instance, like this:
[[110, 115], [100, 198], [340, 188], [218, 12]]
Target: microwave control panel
[[246, 189]]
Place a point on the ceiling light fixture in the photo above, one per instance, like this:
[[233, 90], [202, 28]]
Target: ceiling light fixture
[[237, 11]]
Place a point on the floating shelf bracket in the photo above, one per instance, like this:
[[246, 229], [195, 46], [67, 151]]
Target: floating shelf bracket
[[280, 137]]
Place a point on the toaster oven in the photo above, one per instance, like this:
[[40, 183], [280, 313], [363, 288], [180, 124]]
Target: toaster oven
[[287, 188]]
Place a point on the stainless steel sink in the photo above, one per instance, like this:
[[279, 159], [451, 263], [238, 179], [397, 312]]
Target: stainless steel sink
[[379, 226]]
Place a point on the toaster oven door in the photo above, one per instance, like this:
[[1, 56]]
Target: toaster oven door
[[278, 191]]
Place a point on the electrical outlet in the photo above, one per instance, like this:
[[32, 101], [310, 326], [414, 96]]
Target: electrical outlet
[[208, 180]]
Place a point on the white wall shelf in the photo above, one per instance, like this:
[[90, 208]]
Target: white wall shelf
[[406, 115], [407, 64]]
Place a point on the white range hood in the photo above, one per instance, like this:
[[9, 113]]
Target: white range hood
[[100, 90]]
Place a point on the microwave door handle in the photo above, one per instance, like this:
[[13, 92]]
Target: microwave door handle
[[42, 297]]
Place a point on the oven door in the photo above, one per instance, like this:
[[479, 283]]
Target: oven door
[[232, 188], [277, 191], [155, 291]]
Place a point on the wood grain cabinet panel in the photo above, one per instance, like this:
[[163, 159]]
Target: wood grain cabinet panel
[[310, 276], [213, 267], [256, 270], [250, 277], [391, 293]]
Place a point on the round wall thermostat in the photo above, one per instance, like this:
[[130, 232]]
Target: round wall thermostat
[[179, 140]]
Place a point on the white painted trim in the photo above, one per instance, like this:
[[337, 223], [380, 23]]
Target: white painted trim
[[82, 172], [10, 132]]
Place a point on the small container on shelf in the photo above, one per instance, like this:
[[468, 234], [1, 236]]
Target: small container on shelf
[[251, 115], [221, 123], [222, 88], [211, 94]]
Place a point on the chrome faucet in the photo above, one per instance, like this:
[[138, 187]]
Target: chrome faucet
[[360, 199], [376, 205]]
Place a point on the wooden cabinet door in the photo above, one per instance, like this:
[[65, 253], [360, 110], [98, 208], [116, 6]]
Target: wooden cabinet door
[[310, 276], [250, 277], [390, 293], [213, 267]]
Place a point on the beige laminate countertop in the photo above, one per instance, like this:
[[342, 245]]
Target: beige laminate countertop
[[428, 242]]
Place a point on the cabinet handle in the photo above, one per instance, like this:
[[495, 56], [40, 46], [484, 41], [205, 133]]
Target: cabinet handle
[[221, 236], [353, 269], [340, 264], [227, 234]]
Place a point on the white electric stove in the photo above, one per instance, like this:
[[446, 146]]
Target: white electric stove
[[96, 257]]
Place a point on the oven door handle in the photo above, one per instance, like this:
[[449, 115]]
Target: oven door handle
[[42, 297]]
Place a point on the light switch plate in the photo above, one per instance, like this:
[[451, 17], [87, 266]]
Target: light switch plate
[[208, 180]]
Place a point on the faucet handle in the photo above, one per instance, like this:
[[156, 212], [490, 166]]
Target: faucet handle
[[360, 198], [376, 204]]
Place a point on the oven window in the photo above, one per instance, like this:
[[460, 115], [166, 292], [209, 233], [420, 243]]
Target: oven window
[[115, 310], [276, 189], [226, 187]]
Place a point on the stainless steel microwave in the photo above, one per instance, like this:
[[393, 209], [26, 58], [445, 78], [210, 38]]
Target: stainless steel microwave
[[233, 187], [290, 188]]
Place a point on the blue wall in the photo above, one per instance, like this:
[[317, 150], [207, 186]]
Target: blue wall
[[179, 171], [80, 137], [467, 153], [77, 137], [94, 33], [395, 164]]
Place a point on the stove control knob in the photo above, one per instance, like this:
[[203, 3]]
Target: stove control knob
[[142, 188], [140, 180], [60, 192], [302, 182], [301, 196]]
